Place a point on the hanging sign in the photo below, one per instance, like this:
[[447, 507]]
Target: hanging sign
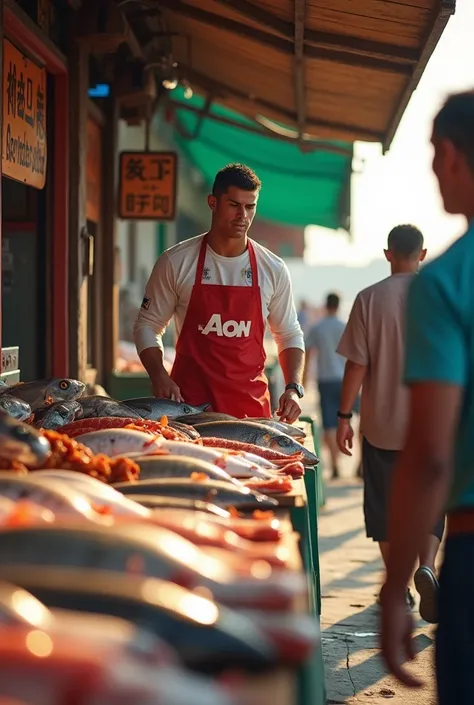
[[147, 189], [24, 149]]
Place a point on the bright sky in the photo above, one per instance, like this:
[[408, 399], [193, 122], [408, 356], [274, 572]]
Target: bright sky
[[400, 187]]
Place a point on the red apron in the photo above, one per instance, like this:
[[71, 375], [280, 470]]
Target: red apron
[[220, 357]]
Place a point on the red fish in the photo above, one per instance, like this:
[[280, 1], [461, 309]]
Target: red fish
[[290, 464]]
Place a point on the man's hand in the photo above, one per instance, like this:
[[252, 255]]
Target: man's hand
[[345, 436], [164, 387], [289, 408], [397, 634]]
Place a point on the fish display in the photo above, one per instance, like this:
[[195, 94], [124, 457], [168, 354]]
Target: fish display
[[41, 392], [21, 443], [235, 465], [143, 536], [292, 431], [97, 406], [66, 502], [153, 551], [207, 636], [19, 607], [119, 441], [55, 415], [215, 491], [44, 667], [185, 429], [154, 409], [156, 502], [14, 407], [170, 466], [257, 435], [205, 417]]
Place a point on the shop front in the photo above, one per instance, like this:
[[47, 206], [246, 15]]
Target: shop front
[[34, 212]]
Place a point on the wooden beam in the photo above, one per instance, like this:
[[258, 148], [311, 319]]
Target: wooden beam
[[441, 18], [78, 107], [40, 48], [283, 45], [299, 67], [1, 152], [309, 144], [110, 277], [328, 40], [221, 90]]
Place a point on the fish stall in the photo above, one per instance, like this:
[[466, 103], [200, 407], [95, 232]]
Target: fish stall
[[155, 551]]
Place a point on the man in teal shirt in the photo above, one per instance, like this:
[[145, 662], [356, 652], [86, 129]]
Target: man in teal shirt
[[436, 469]]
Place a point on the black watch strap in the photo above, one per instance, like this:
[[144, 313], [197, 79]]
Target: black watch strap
[[298, 388], [340, 415]]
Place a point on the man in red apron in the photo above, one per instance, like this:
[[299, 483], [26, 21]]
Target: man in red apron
[[220, 288]]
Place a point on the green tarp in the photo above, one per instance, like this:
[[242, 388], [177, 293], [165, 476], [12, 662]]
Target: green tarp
[[299, 189]]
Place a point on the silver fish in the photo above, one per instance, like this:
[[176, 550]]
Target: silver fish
[[171, 466], [154, 409], [21, 442], [217, 492], [14, 407], [56, 415], [188, 431], [39, 392], [66, 501], [97, 406], [292, 431], [190, 505], [258, 435], [205, 417], [119, 441]]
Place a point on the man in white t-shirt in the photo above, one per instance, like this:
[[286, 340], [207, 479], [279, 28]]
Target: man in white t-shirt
[[222, 288]]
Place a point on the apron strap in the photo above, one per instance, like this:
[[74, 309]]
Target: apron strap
[[202, 259], [253, 265]]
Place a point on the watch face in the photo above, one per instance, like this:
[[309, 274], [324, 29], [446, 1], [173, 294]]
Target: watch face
[[298, 389]]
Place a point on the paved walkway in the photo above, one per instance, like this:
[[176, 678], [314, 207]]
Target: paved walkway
[[351, 575]]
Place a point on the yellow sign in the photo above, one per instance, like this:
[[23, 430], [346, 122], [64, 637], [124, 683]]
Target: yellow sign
[[24, 150], [148, 185]]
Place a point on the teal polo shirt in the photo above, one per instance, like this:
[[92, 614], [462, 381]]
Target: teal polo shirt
[[440, 346]]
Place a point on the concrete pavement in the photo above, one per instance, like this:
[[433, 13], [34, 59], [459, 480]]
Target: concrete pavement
[[351, 574]]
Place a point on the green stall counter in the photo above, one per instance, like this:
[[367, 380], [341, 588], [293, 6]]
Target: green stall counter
[[128, 385]]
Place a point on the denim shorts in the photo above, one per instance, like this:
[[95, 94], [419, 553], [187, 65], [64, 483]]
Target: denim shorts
[[330, 401]]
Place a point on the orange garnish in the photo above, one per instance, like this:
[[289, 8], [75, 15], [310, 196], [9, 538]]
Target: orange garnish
[[261, 514], [164, 421], [199, 476]]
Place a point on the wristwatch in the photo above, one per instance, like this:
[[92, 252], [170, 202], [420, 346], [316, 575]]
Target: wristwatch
[[347, 417], [298, 388]]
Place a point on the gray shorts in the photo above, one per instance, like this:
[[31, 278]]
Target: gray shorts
[[378, 466]]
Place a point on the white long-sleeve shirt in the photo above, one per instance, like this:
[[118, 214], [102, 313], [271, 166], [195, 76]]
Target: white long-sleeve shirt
[[168, 291]]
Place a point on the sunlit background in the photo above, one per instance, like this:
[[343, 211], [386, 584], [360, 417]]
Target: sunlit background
[[399, 187]]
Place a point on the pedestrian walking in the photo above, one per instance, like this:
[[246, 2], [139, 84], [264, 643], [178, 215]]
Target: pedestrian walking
[[436, 470], [373, 344], [323, 339]]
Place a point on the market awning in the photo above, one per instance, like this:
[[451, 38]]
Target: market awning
[[299, 188], [336, 69]]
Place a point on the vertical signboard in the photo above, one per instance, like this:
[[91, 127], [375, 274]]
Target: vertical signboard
[[93, 171], [147, 189], [24, 149]]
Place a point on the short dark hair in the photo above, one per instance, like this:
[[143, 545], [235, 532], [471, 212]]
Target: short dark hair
[[237, 175], [333, 301], [405, 241], [455, 122]]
